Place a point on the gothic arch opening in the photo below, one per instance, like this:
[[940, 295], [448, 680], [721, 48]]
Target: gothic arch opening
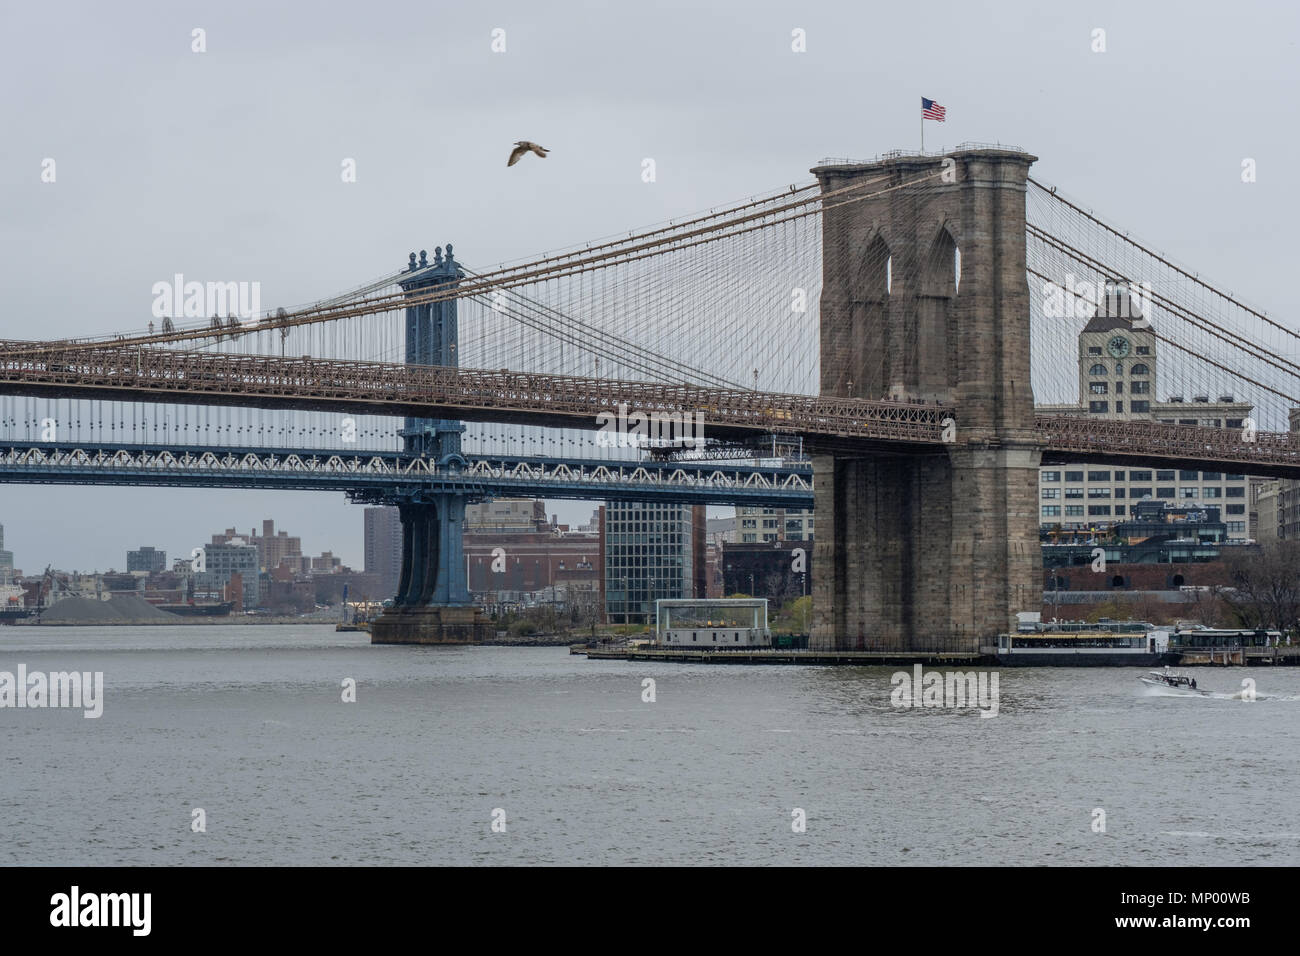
[[933, 353], [870, 325]]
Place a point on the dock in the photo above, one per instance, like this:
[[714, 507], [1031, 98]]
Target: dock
[[773, 655], [1191, 657], [1283, 655]]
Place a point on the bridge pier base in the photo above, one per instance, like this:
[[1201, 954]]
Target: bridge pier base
[[430, 625], [935, 552], [433, 603]]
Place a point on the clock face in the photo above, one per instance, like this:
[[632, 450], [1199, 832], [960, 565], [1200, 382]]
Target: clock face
[[1118, 346]]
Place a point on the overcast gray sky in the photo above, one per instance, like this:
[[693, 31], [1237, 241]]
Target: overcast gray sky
[[226, 164]]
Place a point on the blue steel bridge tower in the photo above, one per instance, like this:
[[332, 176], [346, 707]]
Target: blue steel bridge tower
[[433, 604]]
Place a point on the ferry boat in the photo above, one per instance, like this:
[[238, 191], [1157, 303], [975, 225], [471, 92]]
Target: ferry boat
[[1208, 645], [1081, 644]]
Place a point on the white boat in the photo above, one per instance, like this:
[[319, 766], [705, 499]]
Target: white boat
[[1168, 680]]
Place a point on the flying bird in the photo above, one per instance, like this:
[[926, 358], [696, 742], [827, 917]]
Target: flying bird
[[524, 146]]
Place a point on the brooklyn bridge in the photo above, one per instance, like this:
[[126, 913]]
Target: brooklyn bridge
[[912, 324]]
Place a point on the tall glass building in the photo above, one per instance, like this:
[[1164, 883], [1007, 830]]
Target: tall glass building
[[651, 551]]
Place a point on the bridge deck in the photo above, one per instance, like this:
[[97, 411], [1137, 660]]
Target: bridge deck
[[848, 426]]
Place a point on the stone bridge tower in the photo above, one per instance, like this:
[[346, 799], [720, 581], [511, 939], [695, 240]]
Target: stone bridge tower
[[925, 298]]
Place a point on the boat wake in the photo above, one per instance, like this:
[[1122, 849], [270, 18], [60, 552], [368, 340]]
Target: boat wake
[[1150, 691]]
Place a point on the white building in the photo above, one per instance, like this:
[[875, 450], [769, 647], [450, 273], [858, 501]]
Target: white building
[[1118, 357]]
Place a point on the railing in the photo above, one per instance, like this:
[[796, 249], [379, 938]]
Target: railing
[[1093, 439], [234, 467], [907, 153], [139, 374]]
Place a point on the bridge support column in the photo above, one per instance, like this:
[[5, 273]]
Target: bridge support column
[[925, 299], [433, 604]]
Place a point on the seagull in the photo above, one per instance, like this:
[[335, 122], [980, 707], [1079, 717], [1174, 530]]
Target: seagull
[[524, 146]]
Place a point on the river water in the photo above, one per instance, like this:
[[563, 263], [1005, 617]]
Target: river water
[[249, 724]]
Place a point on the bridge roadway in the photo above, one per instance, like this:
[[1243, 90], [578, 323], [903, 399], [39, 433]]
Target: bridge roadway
[[842, 425], [373, 475]]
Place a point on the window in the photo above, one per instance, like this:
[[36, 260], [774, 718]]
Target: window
[[1238, 527], [1211, 476], [1164, 476], [1074, 476], [1119, 476], [1189, 492], [1099, 476], [1119, 492], [1119, 509], [1097, 388], [1076, 511], [1140, 491], [1119, 368], [1140, 388], [1140, 406], [1096, 510], [1098, 492], [1236, 509], [1050, 493], [1119, 388], [1234, 423], [1235, 492], [1119, 406], [1094, 349], [1051, 511], [1074, 492], [1164, 492], [1188, 475], [1097, 369], [1139, 476], [1051, 476], [1143, 350], [1098, 406], [1214, 491], [1140, 369], [1235, 478]]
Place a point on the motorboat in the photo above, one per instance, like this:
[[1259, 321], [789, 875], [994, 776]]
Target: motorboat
[[1170, 680]]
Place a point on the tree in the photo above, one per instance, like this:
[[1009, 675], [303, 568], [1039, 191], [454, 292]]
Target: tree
[[1206, 605], [1264, 585]]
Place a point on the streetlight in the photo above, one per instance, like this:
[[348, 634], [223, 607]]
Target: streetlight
[[1056, 592]]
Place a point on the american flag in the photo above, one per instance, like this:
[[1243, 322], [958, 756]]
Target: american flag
[[931, 110]]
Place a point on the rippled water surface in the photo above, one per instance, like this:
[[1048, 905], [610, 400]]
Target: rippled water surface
[[248, 724]]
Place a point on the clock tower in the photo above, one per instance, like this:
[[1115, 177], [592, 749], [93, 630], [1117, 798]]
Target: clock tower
[[1117, 358]]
